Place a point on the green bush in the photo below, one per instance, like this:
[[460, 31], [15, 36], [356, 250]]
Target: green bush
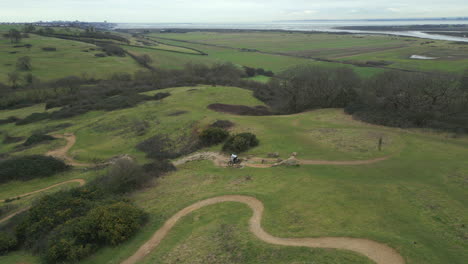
[[124, 176], [7, 242], [213, 136], [37, 138], [115, 223], [34, 117], [240, 142], [54, 210], [108, 224], [30, 167]]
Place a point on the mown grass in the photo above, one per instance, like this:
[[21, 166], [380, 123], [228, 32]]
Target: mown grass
[[415, 202]]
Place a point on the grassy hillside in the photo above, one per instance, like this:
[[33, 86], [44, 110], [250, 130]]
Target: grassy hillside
[[71, 58], [415, 201]]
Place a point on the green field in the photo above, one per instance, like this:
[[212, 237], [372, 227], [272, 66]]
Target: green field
[[415, 202], [348, 48], [275, 51], [71, 58]]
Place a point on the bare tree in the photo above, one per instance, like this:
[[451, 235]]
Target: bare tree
[[13, 78], [24, 63], [14, 35]]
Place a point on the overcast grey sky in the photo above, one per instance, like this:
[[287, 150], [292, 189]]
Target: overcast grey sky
[[223, 10]]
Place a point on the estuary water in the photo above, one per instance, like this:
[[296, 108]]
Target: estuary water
[[324, 26]]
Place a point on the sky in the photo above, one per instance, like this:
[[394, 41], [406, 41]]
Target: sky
[[205, 11]]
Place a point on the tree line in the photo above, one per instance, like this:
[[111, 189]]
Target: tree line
[[391, 98]]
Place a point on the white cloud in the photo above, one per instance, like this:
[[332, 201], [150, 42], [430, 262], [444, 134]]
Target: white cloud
[[393, 9], [223, 10]]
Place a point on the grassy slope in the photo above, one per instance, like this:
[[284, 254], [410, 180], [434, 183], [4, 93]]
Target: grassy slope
[[415, 202], [69, 59]]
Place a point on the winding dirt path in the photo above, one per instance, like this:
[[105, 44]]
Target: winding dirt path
[[378, 252], [62, 152], [81, 182], [255, 162]]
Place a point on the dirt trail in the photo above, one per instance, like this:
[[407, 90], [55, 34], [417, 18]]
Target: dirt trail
[[255, 162], [80, 181], [378, 252], [62, 153]]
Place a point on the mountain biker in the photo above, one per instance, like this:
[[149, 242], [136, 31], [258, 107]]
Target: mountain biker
[[234, 158]]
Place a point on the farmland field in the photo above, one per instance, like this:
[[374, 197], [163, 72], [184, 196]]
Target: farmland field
[[451, 57]]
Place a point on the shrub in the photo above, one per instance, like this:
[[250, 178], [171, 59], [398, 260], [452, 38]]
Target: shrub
[[37, 138], [250, 72], [116, 222], [225, 124], [24, 63], [240, 142], [104, 225], [10, 139], [100, 55], [34, 117], [111, 50], [158, 167], [160, 96], [11, 119], [124, 176], [29, 167], [162, 147], [7, 242], [213, 136], [53, 210], [49, 49]]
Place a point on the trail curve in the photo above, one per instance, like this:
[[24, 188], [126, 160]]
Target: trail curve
[[62, 152], [81, 182], [378, 252]]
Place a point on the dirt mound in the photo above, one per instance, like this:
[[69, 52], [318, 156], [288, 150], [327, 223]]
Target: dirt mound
[[378, 252], [241, 109], [221, 160], [217, 158]]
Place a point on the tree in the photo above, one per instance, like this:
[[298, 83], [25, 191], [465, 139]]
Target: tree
[[28, 28], [13, 78], [144, 60], [14, 35], [308, 87], [30, 79], [249, 71], [24, 63], [49, 31]]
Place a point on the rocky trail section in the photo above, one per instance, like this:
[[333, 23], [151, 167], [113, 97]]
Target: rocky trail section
[[255, 162]]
